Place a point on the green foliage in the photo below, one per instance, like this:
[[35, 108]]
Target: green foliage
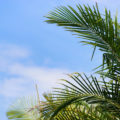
[[103, 97], [97, 30], [24, 109], [75, 111]]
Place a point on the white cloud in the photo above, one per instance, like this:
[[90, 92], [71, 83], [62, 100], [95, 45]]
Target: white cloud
[[36, 72], [22, 78], [13, 87], [27, 76], [13, 51]]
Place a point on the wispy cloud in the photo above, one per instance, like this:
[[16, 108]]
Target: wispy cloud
[[13, 87], [27, 76], [19, 79], [13, 51]]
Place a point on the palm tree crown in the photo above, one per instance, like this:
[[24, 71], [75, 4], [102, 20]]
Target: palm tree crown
[[83, 97]]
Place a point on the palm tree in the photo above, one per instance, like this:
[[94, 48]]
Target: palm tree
[[83, 97], [103, 33]]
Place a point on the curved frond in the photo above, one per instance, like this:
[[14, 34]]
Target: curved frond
[[98, 30], [79, 111], [105, 95]]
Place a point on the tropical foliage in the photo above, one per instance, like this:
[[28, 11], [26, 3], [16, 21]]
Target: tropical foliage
[[83, 97], [24, 109]]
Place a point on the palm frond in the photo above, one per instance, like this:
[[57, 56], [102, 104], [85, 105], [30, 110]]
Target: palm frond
[[98, 30], [24, 109], [76, 111], [104, 95]]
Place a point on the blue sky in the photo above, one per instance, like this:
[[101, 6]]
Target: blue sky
[[32, 51]]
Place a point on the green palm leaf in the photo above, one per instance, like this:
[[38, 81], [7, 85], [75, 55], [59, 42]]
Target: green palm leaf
[[97, 30], [75, 111], [105, 96]]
